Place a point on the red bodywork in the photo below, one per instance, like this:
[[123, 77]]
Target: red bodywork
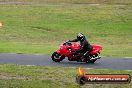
[[66, 50], [96, 49]]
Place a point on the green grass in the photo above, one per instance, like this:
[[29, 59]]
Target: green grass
[[75, 1], [18, 76], [40, 28], [10, 47]]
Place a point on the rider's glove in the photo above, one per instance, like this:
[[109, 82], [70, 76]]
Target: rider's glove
[[68, 41]]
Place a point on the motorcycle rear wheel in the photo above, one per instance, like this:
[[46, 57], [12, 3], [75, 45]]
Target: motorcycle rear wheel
[[91, 61], [57, 57]]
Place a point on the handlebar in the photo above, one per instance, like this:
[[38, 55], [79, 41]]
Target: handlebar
[[67, 43]]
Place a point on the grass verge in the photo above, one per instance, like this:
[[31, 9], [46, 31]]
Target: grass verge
[[39, 28], [18, 76]]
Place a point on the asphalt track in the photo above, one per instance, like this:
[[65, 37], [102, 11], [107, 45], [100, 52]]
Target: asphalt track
[[45, 60]]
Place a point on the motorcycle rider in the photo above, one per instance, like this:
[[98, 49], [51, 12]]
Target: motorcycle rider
[[86, 48]]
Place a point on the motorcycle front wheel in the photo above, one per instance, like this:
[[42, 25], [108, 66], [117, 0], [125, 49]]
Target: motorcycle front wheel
[[57, 57]]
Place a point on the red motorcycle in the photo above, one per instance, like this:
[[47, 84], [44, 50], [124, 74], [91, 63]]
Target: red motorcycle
[[68, 49]]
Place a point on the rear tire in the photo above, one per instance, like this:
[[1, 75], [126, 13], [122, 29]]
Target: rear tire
[[57, 57], [92, 61]]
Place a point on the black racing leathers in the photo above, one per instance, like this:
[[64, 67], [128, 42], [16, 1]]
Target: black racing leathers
[[85, 45]]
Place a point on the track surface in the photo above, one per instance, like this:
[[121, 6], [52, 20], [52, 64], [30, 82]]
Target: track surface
[[45, 60]]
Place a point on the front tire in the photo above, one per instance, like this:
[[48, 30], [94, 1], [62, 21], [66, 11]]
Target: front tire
[[57, 57]]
